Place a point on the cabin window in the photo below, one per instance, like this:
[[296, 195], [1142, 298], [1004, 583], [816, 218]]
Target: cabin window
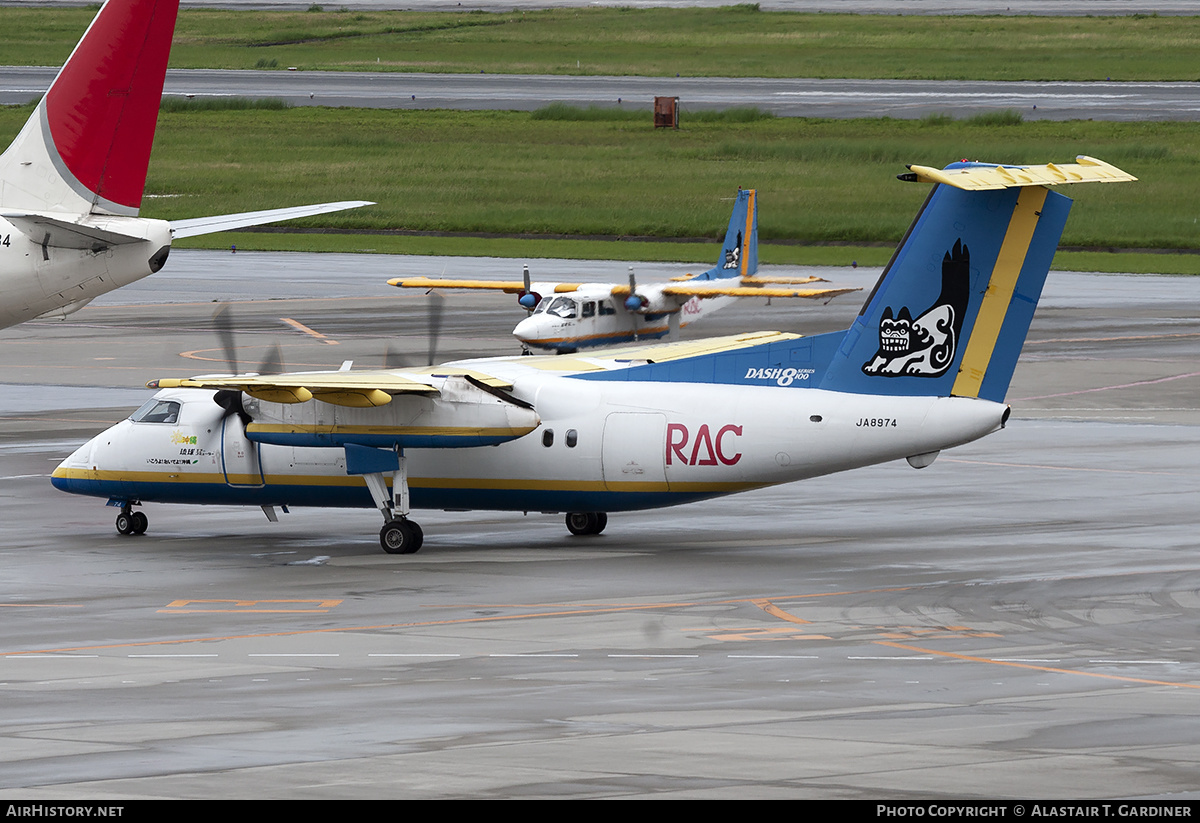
[[157, 411], [572, 438], [548, 438], [589, 308], [606, 308]]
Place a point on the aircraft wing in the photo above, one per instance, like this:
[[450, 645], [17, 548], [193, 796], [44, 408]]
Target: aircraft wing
[[227, 222], [506, 286], [343, 388], [714, 288], [977, 177], [67, 234]]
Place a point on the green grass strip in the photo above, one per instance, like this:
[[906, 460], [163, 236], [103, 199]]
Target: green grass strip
[[734, 41]]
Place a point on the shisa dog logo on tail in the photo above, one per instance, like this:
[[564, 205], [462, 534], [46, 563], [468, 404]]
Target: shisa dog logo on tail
[[925, 347]]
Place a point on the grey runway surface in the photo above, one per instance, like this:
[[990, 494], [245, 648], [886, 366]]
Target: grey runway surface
[[1016, 620], [1100, 100]]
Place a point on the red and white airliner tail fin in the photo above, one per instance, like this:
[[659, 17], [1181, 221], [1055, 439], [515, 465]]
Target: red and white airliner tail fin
[[86, 148]]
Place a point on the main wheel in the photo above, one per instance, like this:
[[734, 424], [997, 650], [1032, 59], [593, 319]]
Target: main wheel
[[401, 537], [140, 522], [125, 523], [579, 523]]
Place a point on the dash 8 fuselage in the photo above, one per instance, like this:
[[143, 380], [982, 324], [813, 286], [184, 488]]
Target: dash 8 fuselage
[[596, 447]]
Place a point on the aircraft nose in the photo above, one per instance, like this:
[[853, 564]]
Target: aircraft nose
[[528, 329], [76, 468]]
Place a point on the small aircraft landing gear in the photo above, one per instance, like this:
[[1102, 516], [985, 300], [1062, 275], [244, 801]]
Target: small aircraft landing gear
[[131, 522], [402, 536], [399, 535], [586, 522]]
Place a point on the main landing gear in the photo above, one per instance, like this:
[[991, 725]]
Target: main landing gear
[[131, 522], [401, 536], [579, 523]]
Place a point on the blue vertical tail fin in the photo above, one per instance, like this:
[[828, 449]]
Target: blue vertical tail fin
[[950, 312], [739, 254]]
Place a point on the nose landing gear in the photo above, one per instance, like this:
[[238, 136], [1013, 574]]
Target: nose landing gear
[[130, 522]]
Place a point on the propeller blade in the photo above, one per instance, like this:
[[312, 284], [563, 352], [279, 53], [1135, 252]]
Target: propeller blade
[[393, 359], [222, 320], [528, 282], [436, 304], [273, 361]]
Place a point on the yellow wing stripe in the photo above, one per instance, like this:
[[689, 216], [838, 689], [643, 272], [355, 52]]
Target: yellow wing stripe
[[998, 296], [506, 286]]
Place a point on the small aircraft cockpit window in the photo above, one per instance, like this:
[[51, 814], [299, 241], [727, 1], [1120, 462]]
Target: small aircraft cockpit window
[[572, 438], [542, 304], [157, 411], [548, 438], [589, 308], [563, 307]]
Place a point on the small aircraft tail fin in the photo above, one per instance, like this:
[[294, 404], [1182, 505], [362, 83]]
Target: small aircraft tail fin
[[950, 312], [739, 255], [87, 146]]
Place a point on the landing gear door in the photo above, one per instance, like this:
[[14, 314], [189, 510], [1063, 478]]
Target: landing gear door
[[240, 459], [634, 445]]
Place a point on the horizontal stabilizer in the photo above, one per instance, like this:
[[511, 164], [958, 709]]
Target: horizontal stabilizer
[[986, 177], [60, 233], [227, 222]]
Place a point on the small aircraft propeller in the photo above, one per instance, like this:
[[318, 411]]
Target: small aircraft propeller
[[272, 363], [529, 298], [393, 359], [634, 302]]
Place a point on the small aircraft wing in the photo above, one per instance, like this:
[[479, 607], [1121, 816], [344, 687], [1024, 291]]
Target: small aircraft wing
[[980, 177], [714, 288], [506, 286], [227, 222], [355, 389]]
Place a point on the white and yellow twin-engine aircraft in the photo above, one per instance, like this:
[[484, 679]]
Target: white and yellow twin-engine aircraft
[[566, 317], [924, 367], [71, 183]]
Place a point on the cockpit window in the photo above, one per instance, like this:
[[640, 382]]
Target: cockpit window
[[542, 304], [562, 307], [157, 411]]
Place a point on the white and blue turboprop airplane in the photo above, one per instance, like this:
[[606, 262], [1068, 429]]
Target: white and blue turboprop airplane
[[71, 183], [566, 317], [924, 367]]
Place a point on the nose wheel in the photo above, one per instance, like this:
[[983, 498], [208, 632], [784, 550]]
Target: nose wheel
[[402, 536], [131, 522]]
